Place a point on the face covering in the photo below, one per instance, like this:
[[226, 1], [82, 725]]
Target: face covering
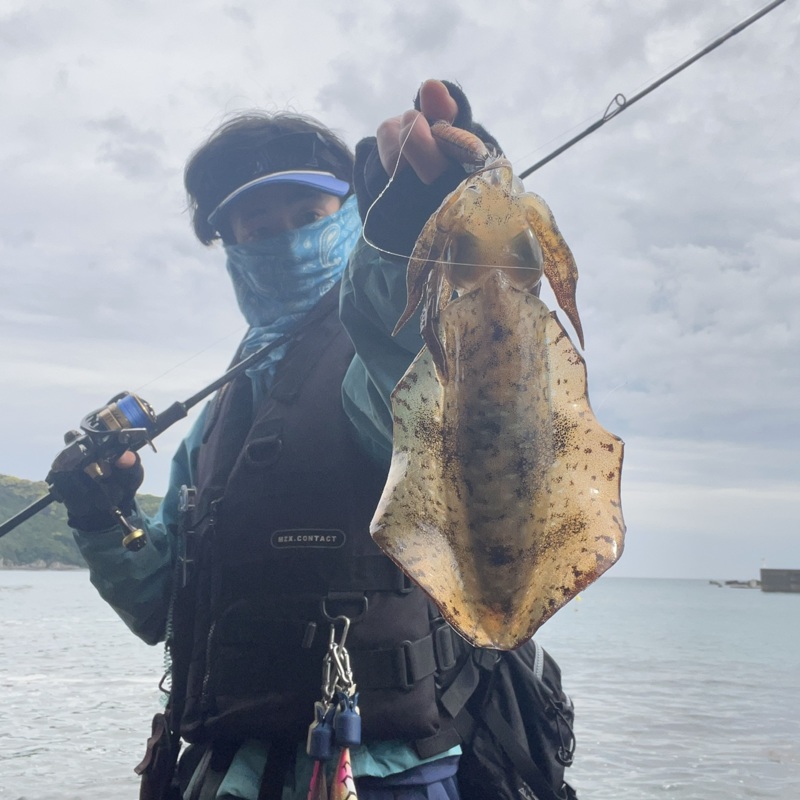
[[280, 279]]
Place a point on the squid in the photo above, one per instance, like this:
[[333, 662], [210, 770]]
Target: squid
[[503, 495]]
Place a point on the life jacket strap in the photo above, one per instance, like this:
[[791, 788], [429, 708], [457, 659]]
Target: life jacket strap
[[401, 667]]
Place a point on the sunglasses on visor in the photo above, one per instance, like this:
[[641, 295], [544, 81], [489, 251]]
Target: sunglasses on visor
[[306, 150]]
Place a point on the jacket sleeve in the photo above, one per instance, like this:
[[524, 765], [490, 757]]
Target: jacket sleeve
[[374, 284], [373, 296], [138, 585]]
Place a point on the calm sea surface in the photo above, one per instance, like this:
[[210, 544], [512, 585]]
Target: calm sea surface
[[682, 690]]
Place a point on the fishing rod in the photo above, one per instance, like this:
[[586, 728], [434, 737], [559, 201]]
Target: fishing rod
[[125, 423], [620, 103]]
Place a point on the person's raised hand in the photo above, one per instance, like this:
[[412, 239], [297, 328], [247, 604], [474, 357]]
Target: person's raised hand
[[411, 133]]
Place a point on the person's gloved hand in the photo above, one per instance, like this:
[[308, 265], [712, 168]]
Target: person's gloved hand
[[89, 501], [411, 133], [425, 175]]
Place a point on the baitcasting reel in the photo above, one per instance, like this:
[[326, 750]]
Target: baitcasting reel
[[126, 422]]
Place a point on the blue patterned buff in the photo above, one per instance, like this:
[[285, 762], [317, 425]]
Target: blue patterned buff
[[279, 280]]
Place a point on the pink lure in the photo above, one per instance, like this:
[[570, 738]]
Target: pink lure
[[318, 788], [344, 787]]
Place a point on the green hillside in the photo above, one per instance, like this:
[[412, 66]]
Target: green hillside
[[45, 539]]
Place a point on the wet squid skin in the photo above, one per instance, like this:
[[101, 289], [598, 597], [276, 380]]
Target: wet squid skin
[[503, 497], [488, 221]]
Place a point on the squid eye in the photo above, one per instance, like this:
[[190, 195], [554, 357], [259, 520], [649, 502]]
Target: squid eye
[[525, 249], [463, 249]]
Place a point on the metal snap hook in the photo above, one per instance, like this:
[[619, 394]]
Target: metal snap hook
[[344, 597]]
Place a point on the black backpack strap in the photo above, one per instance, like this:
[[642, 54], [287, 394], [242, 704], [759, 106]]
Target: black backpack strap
[[482, 665], [454, 701], [515, 749], [520, 757], [280, 762]]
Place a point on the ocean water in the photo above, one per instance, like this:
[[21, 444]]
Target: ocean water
[[682, 690]]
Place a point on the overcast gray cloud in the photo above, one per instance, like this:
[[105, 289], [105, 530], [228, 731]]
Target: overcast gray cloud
[[682, 214]]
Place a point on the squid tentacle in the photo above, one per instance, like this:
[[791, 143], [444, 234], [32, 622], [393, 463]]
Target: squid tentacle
[[558, 261]]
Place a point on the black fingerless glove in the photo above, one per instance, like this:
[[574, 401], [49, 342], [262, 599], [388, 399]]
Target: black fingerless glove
[[89, 501], [396, 221]]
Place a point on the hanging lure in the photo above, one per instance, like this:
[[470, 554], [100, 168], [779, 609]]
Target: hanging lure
[[337, 722], [344, 786], [318, 789]]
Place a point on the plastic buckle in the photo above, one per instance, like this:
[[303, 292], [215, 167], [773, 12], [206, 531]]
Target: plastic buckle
[[485, 658], [405, 664], [406, 584], [443, 650]]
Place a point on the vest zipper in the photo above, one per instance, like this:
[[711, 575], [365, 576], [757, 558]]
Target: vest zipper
[[207, 674], [213, 509]]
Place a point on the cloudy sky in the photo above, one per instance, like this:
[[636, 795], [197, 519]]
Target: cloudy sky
[[682, 214]]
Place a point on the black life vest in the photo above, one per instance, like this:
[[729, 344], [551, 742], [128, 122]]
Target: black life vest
[[280, 545]]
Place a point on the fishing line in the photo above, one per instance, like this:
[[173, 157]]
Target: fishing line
[[617, 105], [601, 402], [434, 260], [620, 103], [766, 143], [187, 360], [383, 192]]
